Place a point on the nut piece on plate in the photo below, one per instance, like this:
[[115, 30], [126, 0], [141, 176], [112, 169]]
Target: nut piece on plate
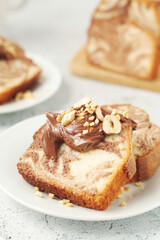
[[111, 124], [123, 204], [82, 102], [24, 95], [51, 195], [38, 194]]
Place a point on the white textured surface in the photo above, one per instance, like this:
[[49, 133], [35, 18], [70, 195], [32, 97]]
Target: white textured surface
[[55, 30]]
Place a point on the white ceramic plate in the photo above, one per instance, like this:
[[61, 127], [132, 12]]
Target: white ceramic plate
[[15, 141], [48, 84]]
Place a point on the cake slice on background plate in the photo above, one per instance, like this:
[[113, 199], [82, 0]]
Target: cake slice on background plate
[[16, 75], [17, 71]]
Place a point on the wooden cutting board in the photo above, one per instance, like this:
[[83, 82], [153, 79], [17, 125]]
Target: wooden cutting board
[[80, 66]]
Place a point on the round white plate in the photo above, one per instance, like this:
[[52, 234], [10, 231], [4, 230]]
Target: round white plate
[[48, 84], [13, 144]]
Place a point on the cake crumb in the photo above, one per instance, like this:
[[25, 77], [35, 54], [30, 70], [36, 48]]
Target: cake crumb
[[69, 204], [23, 95], [28, 94], [36, 188], [65, 201], [38, 194], [51, 195], [122, 190], [139, 184], [123, 204], [126, 188], [119, 196], [61, 202]]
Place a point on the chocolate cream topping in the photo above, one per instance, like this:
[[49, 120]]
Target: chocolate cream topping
[[55, 134]]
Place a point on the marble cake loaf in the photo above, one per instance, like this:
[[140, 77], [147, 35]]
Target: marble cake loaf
[[82, 155], [124, 37], [146, 141]]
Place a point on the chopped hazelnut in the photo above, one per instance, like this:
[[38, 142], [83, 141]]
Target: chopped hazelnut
[[139, 184], [80, 118], [51, 195], [111, 124], [119, 196], [123, 204], [59, 118], [91, 118], [122, 190], [99, 114], [114, 112], [68, 118], [38, 194], [125, 114], [82, 102], [96, 121], [126, 188], [86, 124], [118, 116], [69, 110], [62, 112], [27, 94], [36, 188], [89, 111], [69, 204], [91, 130], [85, 132], [66, 201]]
